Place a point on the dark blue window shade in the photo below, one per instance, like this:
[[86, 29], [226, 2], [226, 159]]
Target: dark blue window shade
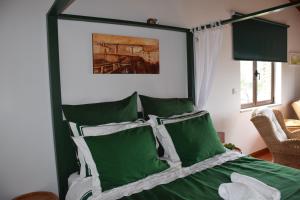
[[259, 40]]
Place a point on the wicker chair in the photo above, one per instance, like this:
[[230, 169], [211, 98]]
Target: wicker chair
[[296, 107], [283, 145]]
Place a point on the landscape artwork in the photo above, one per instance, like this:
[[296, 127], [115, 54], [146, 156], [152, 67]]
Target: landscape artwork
[[113, 54]]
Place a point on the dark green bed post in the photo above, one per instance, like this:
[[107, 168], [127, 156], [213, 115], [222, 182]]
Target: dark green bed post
[[59, 128], [190, 65], [53, 59]]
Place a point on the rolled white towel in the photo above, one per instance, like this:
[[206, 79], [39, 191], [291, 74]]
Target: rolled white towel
[[267, 191], [238, 191]]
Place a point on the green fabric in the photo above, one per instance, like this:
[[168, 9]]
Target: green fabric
[[195, 139], [165, 107], [102, 113], [204, 185], [125, 156], [259, 40]]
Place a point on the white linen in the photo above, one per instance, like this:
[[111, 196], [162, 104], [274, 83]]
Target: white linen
[[267, 112], [83, 147], [167, 143], [104, 129], [77, 190], [208, 43], [73, 178], [247, 188]]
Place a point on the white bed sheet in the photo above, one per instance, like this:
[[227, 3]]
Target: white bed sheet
[[80, 187], [73, 178]]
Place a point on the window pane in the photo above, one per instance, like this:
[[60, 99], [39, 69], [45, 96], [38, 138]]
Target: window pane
[[264, 81], [246, 82]]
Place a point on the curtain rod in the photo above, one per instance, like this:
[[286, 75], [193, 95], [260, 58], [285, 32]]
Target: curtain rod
[[253, 15], [262, 20]]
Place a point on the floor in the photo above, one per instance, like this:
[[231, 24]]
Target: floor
[[264, 156]]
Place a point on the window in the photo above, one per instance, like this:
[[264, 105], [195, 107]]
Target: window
[[257, 83]]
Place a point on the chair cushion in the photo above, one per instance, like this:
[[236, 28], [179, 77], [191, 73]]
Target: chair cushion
[[267, 112], [296, 107], [292, 123]]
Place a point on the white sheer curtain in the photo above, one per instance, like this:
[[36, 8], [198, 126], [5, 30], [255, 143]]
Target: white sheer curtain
[[207, 43]]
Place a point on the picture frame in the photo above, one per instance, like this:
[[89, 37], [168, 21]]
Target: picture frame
[[117, 54], [294, 59]]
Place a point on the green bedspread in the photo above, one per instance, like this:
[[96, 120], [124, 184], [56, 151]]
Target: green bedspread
[[205, 184]]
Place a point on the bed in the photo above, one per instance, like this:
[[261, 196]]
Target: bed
[[198, 181], [204, 184], [186, 178]]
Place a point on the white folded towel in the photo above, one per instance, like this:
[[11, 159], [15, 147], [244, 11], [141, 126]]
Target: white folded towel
[[247, 188], [238, 191]]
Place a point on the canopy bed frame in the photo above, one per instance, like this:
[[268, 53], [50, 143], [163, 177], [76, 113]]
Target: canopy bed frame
[[64, 149]]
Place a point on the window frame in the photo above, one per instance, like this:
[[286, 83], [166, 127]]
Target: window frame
[[256, 103]]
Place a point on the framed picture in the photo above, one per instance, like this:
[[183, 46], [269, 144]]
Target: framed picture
[[294, 59], [114, 54]]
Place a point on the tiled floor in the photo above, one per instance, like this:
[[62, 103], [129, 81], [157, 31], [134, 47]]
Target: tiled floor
[[266, 156]]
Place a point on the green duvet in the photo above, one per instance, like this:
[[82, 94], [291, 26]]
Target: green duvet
[[205, 184]]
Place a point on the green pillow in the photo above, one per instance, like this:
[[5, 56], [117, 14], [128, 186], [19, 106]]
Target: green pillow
[[194, 138], [165, 107], [126, 156], [103, 113]]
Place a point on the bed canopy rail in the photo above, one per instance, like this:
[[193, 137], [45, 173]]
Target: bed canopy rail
[[251, 15], [64, 149]]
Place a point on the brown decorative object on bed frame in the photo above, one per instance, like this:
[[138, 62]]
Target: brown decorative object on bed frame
[[113, 54]]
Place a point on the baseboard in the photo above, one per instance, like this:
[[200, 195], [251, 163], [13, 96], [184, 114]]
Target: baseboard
[[260, 152]]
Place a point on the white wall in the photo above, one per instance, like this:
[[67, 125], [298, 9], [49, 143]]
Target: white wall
[[26, 144], [27, 161], [79, 85]]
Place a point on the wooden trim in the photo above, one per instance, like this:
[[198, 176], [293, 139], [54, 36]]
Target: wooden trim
[[273, 83], [254, 83], [120, 22], [256, 103], [269, 101], [260, 152], [248, 105]]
